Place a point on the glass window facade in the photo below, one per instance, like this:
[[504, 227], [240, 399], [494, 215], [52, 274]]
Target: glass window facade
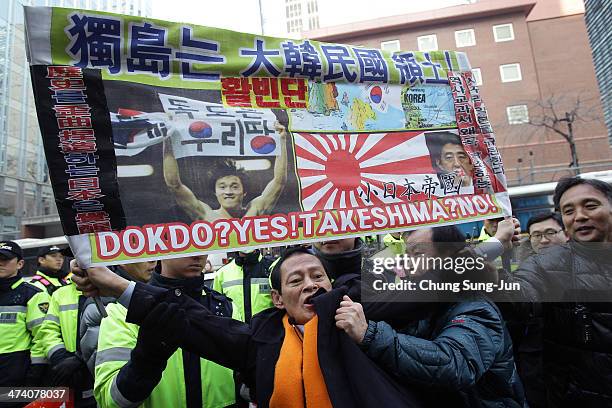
[[597, 19], [26, 193]]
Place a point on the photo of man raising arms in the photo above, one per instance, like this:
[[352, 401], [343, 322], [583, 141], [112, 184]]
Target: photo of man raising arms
[[229, 186]]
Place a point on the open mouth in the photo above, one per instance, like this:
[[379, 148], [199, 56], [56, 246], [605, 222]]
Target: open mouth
[[308, 300], [585, 229]]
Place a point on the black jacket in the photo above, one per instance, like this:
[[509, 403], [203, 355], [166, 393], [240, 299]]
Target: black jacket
[[352, 379], [578, 325]]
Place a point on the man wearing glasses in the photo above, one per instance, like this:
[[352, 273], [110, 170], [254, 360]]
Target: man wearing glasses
[[546, 230]]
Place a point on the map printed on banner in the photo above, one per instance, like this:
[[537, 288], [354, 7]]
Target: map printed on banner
[[173, 139], [337, 107]]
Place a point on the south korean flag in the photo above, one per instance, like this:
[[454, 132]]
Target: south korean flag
[[134, 131]]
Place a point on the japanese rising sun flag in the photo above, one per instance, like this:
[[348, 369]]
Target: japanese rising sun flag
[[356, 170]]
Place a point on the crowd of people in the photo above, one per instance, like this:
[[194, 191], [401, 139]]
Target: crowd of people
[[302, 330]]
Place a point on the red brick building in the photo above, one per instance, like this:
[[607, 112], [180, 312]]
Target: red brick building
[[525, 52]]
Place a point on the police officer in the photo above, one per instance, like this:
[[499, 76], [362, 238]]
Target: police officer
[[245, 281], [22, 310], [50, 276], [395, 243], [127, 376], [58, 336], [89, 325]]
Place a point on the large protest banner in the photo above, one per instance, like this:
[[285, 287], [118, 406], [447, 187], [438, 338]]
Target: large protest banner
[[170, 139]]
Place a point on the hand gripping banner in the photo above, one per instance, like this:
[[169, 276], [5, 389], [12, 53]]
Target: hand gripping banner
[[168, 139]]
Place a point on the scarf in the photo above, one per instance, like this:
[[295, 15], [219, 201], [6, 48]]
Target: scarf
[[345, 262], [298, 381]]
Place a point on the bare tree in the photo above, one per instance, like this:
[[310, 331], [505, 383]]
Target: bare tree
[[559, 113]]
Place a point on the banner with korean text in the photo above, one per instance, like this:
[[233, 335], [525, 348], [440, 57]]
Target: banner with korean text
[[167, 139]]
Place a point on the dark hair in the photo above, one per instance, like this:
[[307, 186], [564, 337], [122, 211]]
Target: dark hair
[[569, 182], [275, 274], [435, 141], [451, 238], [450, 242], [545, 216], [225, 168]]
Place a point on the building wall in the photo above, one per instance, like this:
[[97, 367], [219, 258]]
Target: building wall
[[24, 185], [545, 9], [566, 74], [551, 46]]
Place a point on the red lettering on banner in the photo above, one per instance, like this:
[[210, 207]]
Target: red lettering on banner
[[258, 92], [67, 83], [236, 91], [78, 147], [64, 72], [89, 194], [63, 111], [84, 183], [94, 221], [74, 122], [290, 93], [266, 92], [77, 134]]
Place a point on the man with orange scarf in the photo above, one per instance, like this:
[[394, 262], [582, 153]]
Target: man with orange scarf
[[291, 355]]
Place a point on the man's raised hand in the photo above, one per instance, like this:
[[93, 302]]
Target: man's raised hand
[[97, 281], [351, 319]]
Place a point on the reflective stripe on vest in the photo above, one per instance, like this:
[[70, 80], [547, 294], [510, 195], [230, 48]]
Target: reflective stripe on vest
[[113, 354], [14, 335], [119, 398], [64, 308], [238, 282], [13, 309]]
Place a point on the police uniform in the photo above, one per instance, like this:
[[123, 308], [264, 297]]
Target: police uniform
[[59, 338], [396, 245], [46, 279], [22, 311], [187, 380], [245, 281]]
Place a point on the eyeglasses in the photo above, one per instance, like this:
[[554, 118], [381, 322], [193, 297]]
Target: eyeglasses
[[537, 236]]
